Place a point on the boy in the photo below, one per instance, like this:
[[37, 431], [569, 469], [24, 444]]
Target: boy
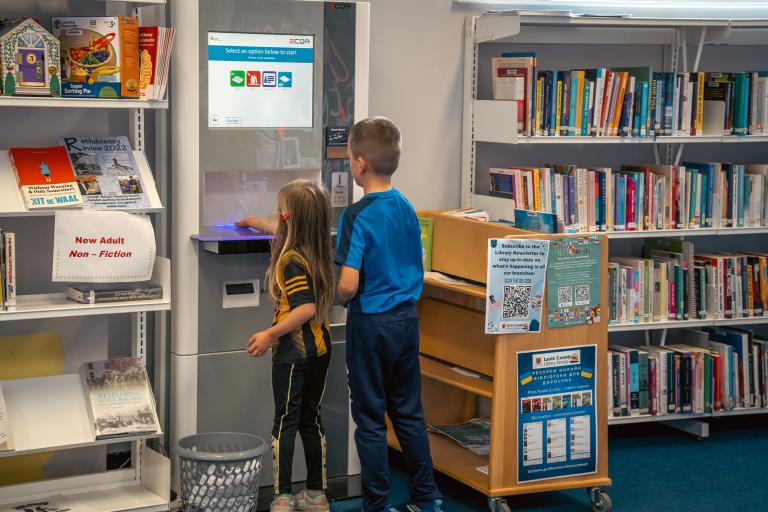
[[379, 250]]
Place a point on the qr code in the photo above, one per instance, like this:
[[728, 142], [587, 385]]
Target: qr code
[[564, 296], [517, 301], [582, 294]]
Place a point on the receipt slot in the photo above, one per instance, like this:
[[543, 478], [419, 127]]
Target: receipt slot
[[264, 93]]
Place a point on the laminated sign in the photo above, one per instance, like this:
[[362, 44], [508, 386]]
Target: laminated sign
[[102, 247]]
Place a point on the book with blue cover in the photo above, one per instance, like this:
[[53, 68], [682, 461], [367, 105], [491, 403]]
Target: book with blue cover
[[541, 222]]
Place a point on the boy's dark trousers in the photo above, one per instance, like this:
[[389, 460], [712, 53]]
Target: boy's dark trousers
[[298, 390], [384, 376]]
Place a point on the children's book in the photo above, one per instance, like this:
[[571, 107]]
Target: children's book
[[426, 224], [107, 174], [45, 177]]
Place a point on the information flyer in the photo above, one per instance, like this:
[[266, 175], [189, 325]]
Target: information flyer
[[557, 433], [573, 281], [516, 273]]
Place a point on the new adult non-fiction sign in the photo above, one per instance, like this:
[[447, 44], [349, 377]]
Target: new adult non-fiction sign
[[557, 430], [102, 247]]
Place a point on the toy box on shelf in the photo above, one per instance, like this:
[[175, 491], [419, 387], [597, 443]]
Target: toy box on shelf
[[30, 59]]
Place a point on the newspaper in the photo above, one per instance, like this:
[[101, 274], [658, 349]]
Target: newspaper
[[474, 435]]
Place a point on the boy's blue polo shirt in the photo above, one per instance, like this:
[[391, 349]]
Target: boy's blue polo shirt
[[380, 236]]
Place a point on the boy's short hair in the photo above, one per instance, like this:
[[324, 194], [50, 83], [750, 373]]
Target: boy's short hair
[[377, 140]]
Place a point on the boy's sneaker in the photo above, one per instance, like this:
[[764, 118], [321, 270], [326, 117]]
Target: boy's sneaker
[[311, 501], [282, 503], [432, 506]]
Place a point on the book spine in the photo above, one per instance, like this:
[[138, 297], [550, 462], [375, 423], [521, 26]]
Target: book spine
[[557, 107], [585, 113], [9, 261], [700, 105], [653, 391], [634, 384], [631, 206], [669, 102], [644, 110], [644, 383], [574, 103], [94, 297]]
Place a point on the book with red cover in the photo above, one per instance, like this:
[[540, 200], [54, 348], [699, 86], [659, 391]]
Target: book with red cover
[[45, 177], [631, 204], [148, 48]]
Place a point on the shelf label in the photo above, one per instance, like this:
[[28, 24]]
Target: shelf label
[[102, 247], [557, 430]]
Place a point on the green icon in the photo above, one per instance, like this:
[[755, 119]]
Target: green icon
[[237, 78]]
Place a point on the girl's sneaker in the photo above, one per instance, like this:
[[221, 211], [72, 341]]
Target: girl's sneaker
[[311, 501], [282, 503]]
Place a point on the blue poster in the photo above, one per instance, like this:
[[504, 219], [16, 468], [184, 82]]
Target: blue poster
[[516, 275], [557, 432]]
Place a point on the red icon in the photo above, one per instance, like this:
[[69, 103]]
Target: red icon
[[253, 78]]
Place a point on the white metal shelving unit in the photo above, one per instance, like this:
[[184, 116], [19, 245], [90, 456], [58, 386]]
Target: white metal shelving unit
[[494, 123], [145, 485]]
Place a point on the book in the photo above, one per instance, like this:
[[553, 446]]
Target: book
[[541, 222], [155, 44], [427, 225], [107, 174], [6, 436], [98, 293], [99, 56], [474, 435], [119, 398], [513, 81], [8, 262], [45, 177]]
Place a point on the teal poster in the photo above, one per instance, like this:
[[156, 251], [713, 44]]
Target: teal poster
[[516, 273], [573, 281], [557, 426]]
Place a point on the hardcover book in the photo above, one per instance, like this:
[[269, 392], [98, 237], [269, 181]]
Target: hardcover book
[[45, 177], [96, 293], [119, 398]]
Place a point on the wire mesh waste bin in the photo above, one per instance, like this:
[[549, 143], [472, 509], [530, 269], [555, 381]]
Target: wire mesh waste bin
[[220, 471]]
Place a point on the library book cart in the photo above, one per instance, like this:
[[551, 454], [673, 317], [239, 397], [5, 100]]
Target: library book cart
[[452, 321], [564, 41], [45, 399]]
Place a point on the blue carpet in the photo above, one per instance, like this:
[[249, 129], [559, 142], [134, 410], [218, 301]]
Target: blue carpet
[[654, 468]]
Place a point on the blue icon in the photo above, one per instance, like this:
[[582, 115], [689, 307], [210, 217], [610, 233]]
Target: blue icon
[[285, 79], [269, 79]]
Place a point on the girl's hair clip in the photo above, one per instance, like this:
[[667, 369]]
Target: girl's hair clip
[[287, 215]]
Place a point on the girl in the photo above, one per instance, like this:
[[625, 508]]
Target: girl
[[300, 284]]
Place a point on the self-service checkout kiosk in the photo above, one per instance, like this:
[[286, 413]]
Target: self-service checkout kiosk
[[264, 92]]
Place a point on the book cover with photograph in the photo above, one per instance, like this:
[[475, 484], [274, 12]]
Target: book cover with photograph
[[106, 172], [45, 177], [119, 398]]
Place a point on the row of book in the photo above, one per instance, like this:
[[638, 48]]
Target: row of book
[[701, 371], [7, 271], [640, 198], [118, 398], [630, 102], [671, 282]]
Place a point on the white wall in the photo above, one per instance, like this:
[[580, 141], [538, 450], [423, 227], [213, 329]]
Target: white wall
[[417, 60]]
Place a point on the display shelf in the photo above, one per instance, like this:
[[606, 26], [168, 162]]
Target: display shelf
[[647, 418], [49, 102], [472, 290], [453, 460], [445, 374], [33, 403], [56, 305], [12, 205], [682, 324], [112, 491]]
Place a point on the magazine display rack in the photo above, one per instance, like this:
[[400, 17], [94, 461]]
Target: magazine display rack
[[144, 484], [452, 319], [563, 41]]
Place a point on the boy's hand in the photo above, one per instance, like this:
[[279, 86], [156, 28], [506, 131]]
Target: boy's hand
[[259, 343]]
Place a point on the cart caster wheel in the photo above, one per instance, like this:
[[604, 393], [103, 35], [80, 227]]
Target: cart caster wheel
[[601, 502], [498, 505]]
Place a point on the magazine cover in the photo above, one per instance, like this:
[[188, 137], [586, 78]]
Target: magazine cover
[[106, 172], [45, 177], [474, 435], [119, 398]]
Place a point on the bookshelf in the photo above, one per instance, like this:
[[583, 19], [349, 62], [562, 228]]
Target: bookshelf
[[47, 412], [563, 42]]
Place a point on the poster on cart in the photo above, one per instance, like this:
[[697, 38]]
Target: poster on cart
[[102, 247], [573, 281], [516, 275], [557, 430]]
